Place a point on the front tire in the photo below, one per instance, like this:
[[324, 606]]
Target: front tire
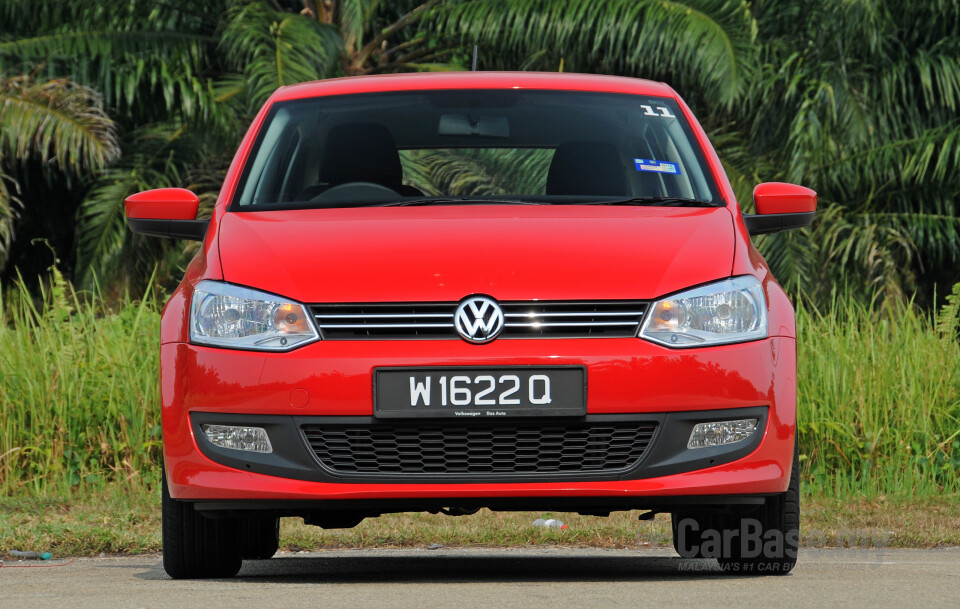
[[260, 537], [776, 525], [779, 522], [195, 547]]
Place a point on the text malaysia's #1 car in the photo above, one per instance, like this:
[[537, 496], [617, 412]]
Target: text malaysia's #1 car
[[448, 292]]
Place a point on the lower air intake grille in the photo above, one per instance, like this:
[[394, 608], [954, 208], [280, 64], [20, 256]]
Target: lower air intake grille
[[482, 450]]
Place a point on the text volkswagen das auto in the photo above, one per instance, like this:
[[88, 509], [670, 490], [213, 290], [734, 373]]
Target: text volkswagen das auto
[[446, 292]]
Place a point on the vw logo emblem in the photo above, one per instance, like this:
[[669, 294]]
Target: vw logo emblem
[[478, 319]]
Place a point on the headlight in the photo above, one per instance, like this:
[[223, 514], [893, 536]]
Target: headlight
[[729, 311], [225, 315]]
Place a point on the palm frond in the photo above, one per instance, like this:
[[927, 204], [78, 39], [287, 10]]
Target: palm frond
[[156, 156], [355, 16], [71, 44], [145, 60], [704, 46], [477, 172], [273, 49], [58, 121], [9, 204]]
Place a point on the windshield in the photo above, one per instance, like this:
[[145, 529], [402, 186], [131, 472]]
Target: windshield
[[474, 146]]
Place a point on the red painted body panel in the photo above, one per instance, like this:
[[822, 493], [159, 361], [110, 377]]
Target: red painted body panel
[[509, 252], [162, 204], [446, 253], [781, 198], [474, 80]]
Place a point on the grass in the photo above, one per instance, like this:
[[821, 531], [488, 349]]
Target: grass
[[79, 397], [129, 523], [879, 399]]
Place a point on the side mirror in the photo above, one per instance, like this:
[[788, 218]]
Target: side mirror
[[780, 207], [165, 212]]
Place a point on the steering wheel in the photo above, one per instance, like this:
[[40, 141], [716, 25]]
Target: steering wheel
[[355, 194]]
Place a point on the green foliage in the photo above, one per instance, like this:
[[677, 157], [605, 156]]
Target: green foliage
[[481, 171], [78, 390], [272, 49], [145, 59], [156, 156], [182, 80], [858, 100], [879, 397], [701, 46], [55, 121]]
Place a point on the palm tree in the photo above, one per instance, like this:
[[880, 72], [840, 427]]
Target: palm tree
[[704, 47], [855, 99], [183, 79], [859, 100], [58, 122]]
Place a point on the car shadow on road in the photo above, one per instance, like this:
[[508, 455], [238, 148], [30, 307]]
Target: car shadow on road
[[439, 567]]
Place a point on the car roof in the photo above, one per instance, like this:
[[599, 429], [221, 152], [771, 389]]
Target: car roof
[[474, 80]]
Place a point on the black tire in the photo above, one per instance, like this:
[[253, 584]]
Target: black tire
[[195, 547], [260, 537], [694, 525], [778, 519]]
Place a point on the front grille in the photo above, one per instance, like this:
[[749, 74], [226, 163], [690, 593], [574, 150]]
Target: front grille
[[480, 449], [530, 319]]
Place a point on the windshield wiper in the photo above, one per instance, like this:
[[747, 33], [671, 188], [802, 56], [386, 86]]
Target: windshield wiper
[[457, 201], [639, 201], [656, 202]]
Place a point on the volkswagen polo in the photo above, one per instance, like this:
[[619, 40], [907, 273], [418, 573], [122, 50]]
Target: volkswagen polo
[[449, 292]]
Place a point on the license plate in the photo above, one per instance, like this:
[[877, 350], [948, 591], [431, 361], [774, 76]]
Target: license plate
[[480, 392]]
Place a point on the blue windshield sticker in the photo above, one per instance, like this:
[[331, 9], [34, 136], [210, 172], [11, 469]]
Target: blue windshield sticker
[[657, 166]]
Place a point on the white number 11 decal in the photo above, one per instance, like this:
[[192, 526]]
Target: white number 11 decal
[[649, 111]]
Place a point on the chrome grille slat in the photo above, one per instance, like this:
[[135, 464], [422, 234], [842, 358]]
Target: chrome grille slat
[[382, 326], [568, 324], [585, 314], [523, 319], [383, 316]]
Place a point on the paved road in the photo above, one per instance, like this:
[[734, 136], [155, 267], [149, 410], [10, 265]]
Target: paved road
[[555, 578]]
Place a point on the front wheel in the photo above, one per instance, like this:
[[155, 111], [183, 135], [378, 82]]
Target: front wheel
[[760, 542], [195, 547], [260, 537]]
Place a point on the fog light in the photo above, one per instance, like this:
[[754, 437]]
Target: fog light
[[721, 432], [253, 439]]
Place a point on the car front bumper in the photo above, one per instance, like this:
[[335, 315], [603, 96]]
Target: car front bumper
[[331, 381]]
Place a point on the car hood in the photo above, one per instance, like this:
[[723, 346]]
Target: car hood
[[444, 253]]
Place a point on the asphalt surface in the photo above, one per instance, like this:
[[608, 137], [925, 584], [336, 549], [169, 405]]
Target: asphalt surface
[[555, 578]]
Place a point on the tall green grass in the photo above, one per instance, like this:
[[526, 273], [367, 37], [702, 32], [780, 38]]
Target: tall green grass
[[879, 396], [78, 391]]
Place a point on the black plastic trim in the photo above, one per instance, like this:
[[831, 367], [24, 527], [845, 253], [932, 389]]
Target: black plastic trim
[[375, 507], [762, 224], [191, 230], [666, 454]]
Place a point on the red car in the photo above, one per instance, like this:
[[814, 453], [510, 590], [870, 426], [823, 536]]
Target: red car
[[445, 292]]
